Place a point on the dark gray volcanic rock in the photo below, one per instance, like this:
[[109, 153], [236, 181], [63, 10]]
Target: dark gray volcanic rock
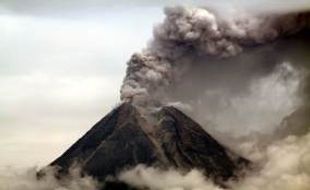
[[124, 139], [116, 142], [187, 145]]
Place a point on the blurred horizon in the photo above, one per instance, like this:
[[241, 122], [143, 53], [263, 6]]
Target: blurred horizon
[[60, 74], [62, 65]]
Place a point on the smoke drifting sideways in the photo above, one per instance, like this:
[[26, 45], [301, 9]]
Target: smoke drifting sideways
[[235, 69], [188, 32], [287, 167], [244, 77]]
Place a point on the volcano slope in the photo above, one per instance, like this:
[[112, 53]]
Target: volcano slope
[[124, 139]]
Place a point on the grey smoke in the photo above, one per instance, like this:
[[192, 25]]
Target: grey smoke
[[284, 165], [188, 32], [189, 59], [245, 77]]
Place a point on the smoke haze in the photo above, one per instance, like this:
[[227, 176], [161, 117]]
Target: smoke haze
[[243, 76], [285, 166], [188, 33]]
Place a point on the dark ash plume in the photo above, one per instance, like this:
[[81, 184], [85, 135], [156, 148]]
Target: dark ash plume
[[188, 32]]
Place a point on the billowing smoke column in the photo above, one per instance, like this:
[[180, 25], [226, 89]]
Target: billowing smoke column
[[196, 56], [198, 36], [188, 32]]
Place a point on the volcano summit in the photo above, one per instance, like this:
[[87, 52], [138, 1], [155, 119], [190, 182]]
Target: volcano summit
[[124, 139], [188, 38]]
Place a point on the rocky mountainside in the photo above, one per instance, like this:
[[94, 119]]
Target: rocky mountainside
[[124, 139]]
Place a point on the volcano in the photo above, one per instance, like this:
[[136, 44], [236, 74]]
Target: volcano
[[168, 139]]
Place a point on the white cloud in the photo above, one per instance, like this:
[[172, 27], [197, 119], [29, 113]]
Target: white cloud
[[286, 166]]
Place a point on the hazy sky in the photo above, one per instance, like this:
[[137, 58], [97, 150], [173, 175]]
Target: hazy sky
[[60, 71], [61, 67]]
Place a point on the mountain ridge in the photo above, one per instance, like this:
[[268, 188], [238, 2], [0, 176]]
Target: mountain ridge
[[124, 139]]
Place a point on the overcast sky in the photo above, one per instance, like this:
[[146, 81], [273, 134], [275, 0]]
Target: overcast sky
[[61, 71], [61, 67]]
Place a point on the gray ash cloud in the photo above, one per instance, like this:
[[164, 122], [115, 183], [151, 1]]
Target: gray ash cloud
[[188, 32]]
